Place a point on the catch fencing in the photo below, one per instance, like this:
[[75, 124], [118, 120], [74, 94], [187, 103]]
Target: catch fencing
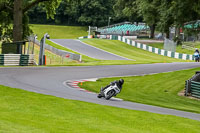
[[192, 86], [61, 53]]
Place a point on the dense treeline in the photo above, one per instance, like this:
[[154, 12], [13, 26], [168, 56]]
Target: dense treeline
[[77, 12], [15, 15]]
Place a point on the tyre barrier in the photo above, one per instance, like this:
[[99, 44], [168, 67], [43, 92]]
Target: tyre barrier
[[16, 59], [192, 86]]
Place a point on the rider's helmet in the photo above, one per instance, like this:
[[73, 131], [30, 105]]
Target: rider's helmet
[[121, 81]]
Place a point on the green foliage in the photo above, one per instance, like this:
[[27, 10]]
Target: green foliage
[[78, 12], [5, 21], [6, 16], [50, 7], [26, 29], [127, 9], [176, 13], [95, 12]]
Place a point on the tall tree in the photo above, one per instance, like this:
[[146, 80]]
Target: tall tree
[[127, 10], [166, 17], [176, 13], [149, 10], [18, 10], [78, 12], [95, 12]]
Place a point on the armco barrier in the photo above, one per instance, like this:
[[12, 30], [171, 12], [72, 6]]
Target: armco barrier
[[61, 52], [16, 60], [192, 86], [146, 47]]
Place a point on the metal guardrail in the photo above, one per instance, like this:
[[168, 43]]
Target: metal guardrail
[[192, 86], [61, 52]]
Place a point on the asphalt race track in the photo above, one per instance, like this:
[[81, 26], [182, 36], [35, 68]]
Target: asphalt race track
[[88, 50], [51, 81]]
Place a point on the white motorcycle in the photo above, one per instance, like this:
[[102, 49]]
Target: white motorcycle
[[109, 92]]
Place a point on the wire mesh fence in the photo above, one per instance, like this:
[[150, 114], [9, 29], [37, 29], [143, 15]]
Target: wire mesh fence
[[53, 56], [62, 53]]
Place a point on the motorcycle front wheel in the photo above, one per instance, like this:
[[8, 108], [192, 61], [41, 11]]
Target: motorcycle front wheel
[[110, 94]]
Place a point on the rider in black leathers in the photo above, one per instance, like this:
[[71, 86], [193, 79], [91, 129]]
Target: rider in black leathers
[[119, 85]]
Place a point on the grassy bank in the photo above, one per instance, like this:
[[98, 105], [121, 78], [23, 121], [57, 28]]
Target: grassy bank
[[59, 32], [27, 112], [136, 56], [158, 89], [130, 52]]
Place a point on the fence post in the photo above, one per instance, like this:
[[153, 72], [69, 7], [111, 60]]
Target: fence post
[[187, 87]]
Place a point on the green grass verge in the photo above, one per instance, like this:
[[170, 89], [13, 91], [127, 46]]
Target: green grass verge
[[27, 112], [158, 89], [59, 32], [130, 52]]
